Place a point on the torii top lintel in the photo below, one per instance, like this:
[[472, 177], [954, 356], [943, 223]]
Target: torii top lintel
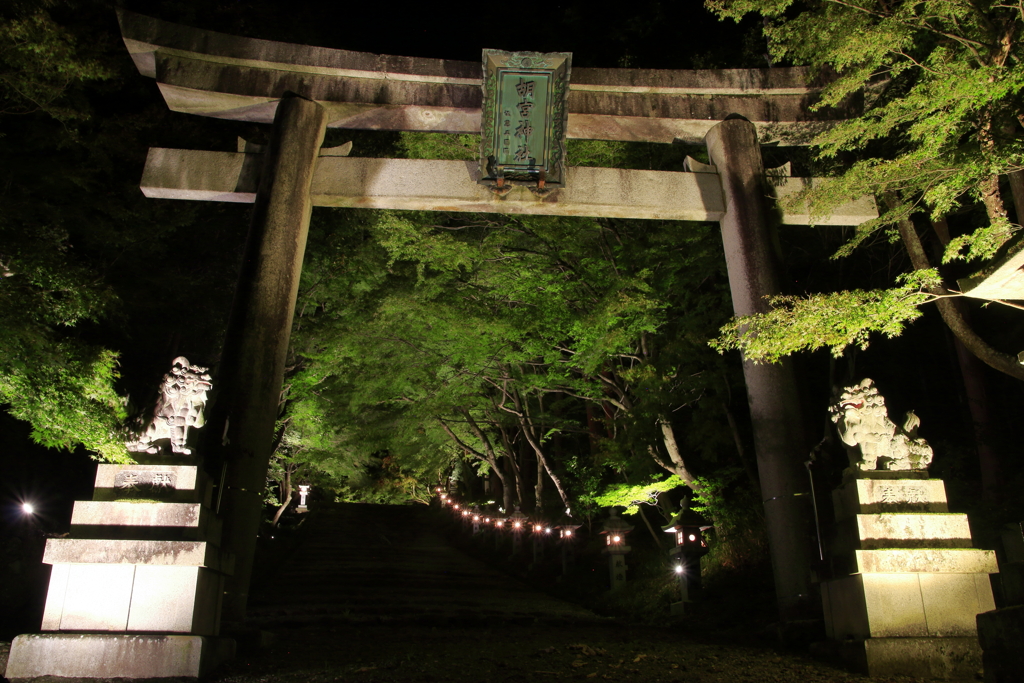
[[233, 77]]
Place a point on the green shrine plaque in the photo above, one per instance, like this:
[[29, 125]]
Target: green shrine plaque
[[524, 117]]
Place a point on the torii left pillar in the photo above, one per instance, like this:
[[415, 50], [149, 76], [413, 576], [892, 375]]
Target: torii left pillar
[[251, 371]]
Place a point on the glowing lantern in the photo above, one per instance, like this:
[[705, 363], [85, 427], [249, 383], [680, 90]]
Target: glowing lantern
[[615, 531], [688, 528], [517, 520]]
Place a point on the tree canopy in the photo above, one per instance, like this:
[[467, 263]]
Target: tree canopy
[[940, 84]]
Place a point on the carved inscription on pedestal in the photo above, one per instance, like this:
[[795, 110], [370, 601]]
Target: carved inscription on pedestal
[[132, 479], [889, 494]]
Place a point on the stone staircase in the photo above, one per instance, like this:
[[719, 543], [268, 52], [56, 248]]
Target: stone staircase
[[389, 563]]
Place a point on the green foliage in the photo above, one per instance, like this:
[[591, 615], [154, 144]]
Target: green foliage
[[738, 538], [68, 396], [943, 80], [445, 146], [631, 497], [835, 320], [39, 62], [492, 327], [941, 85]]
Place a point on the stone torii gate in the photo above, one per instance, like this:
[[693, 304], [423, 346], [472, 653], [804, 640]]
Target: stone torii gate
[[302, 90]]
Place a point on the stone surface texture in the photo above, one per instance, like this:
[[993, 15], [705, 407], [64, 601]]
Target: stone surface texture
[[434, 185], [256, 341], [108, 551], [910, 605], [869, 496], [930, 658], [132, 598], [121, 656], [134, 566], [771, 388], [231, 77]]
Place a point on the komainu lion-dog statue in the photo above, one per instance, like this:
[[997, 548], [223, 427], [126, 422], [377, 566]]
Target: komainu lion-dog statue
[[875, 441], [183, 394]]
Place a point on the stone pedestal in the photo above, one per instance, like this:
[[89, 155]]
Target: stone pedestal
[[617, 568], [913, 584], [136, 591]]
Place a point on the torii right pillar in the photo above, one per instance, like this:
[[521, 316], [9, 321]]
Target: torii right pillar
[[779, 438]]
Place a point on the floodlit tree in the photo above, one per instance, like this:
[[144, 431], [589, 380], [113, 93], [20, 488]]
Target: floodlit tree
[[941, 83]]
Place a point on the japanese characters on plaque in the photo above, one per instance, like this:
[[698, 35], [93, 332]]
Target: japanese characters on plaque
[[524, 117]]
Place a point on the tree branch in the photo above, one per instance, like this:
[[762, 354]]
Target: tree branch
[[1003, 362]]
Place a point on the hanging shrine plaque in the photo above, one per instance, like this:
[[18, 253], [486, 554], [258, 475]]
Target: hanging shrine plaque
[[524, 117]]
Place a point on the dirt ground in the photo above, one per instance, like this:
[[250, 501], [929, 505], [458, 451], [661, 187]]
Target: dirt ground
[[615, 652]]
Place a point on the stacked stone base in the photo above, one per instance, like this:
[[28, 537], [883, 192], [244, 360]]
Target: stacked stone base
[[121, 655], [136, 592], [913, 587], [939, 658]]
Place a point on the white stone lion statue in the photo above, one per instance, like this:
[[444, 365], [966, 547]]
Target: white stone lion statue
[[875, 441], [183, 394]]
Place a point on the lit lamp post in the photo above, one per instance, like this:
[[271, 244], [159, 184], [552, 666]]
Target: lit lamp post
[[615, 531], [689, 528], [517, 524], [566, 528], [476, 517], [540, 531], [499, 526]]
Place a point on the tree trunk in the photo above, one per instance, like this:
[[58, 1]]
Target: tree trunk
[[286, 489], [973, 375], [1003, 362], [668, 435], [492, 458], [1017, 192], [543, 462]]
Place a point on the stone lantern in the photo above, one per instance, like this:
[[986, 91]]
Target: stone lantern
[[615, 531], [566, 529], [517, 524], [688, 529], [303, 492], [499, 525], [540, 530]]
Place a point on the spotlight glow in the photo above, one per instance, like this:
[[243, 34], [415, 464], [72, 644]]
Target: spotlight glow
[[678, 569], [28, 508]]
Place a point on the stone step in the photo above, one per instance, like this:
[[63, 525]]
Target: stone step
[[905, 605], [166, 483], [876, 495], [367, 563], [903, 530], [161, 553], [144, 521]]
